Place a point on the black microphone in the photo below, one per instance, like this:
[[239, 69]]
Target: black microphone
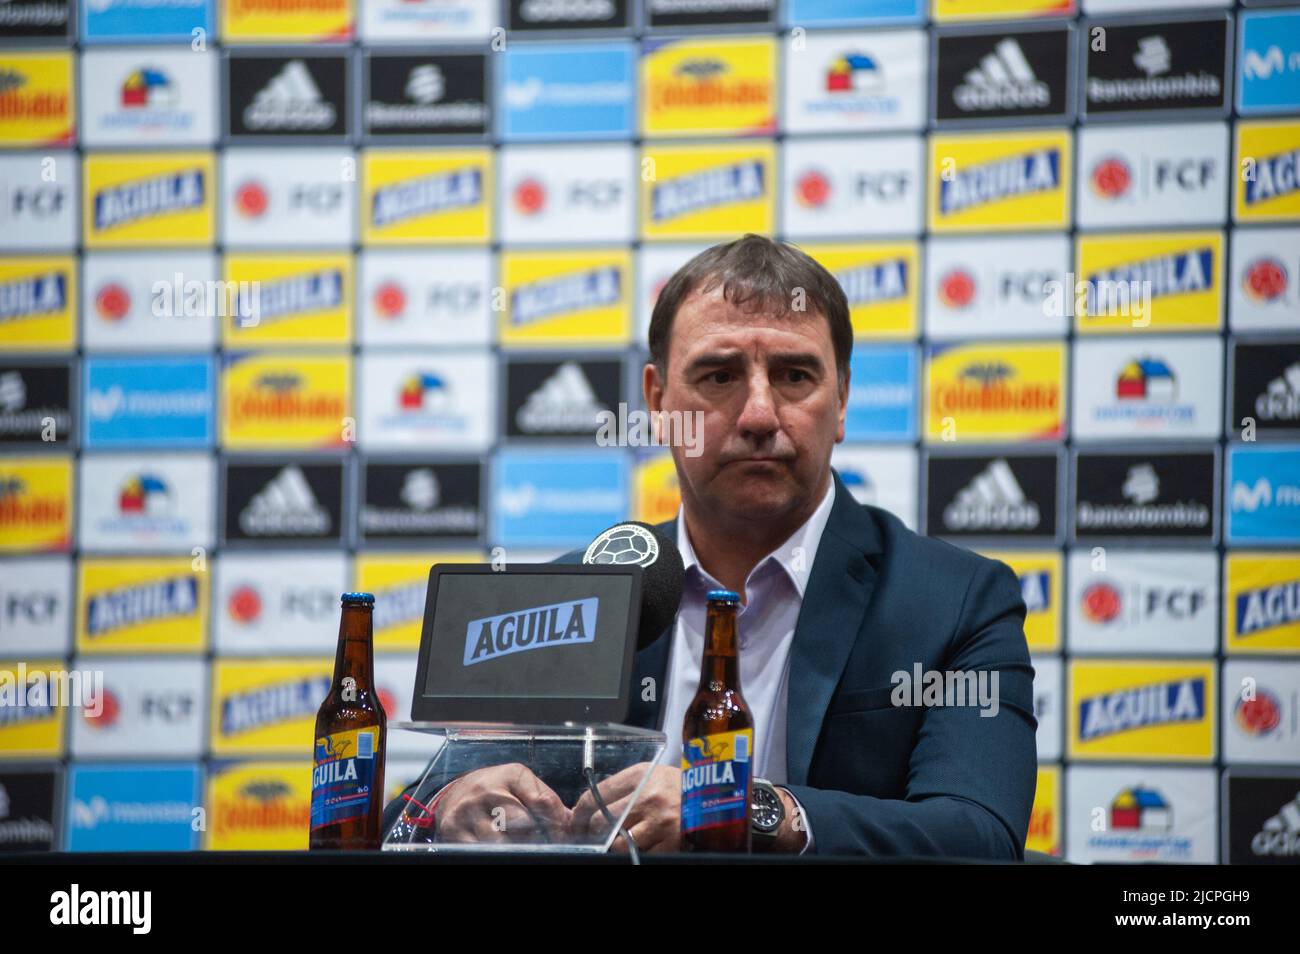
[[634, 543]]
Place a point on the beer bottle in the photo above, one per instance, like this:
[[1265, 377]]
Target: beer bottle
[[347, 782], [717, 741]]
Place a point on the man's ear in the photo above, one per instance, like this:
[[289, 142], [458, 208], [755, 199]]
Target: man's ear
[[652, 386], [844, 405]]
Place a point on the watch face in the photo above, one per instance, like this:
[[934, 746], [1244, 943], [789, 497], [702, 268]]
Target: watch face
[[765, 809]]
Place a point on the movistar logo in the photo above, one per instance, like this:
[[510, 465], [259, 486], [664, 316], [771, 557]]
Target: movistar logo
[[559, 624]]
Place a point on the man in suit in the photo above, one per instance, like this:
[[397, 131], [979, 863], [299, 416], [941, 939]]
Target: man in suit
[[844, 612]]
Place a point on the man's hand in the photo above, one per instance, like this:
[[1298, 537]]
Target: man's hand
[[498, 804], [656, 818]]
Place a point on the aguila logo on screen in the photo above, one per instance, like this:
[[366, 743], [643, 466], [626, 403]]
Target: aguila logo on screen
[[538, 627]]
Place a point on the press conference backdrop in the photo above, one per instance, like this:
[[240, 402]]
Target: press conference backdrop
[[445, 223]]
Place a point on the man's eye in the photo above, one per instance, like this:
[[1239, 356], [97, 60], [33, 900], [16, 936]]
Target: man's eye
[[798, 376], [720, 377]]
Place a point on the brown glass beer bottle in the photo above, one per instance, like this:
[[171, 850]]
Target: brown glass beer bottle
[[718, 741], [347, 783]]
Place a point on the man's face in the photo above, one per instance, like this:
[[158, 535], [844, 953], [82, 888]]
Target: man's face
[[771, 402]]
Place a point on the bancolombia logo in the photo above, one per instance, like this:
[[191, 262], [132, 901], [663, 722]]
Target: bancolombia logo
[[534, 628]]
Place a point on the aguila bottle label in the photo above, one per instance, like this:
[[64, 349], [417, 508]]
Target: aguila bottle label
[[715, 779], [343, 776]]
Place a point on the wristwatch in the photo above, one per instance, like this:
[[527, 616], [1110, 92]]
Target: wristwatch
[[766, 812]]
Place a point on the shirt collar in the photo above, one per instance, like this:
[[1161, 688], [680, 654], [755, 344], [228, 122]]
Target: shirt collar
[[795, 556]]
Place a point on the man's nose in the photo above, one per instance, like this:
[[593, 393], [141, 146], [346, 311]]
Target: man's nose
[[758, 416]]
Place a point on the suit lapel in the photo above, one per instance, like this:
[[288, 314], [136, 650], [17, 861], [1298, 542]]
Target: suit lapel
[[834, 604], [652, 663]]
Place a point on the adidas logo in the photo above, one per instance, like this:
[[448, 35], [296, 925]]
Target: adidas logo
[[290, 101], [1279, 402], [1280, 835], [1003, 80], [564, 402], [994, 500], [285, 507]]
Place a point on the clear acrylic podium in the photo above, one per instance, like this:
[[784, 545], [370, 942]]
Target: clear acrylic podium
[[557, 754]]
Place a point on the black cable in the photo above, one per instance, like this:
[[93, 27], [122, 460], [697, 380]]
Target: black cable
[[590, 775]]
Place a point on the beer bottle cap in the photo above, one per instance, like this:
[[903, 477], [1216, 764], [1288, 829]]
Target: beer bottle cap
[[726, 596], [354, 598]]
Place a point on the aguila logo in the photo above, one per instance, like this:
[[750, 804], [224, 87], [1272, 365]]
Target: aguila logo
[[957, 288], [1265, 280], [1111, 178], [112, 301]]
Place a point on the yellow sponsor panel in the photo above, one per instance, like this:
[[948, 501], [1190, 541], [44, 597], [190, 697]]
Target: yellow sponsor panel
[[656, 490], [285, 401], [995, 392], [1148, 281], [1039, 572], [566, 299], [34, 696], [267, 706], [999, 181], [426, 196], [151, 198], [881, 282], [36, 107], [289, 300], [400, 583], [38, 303], [951, 11], [708, 87], [141, 605], [1142, 709], [300, 21], [259, 806], [1268, 172], [1045, 819], [35, 504], [707, 192], [1261, 604]]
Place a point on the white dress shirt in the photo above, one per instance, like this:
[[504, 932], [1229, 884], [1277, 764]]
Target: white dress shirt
[[765, 623]]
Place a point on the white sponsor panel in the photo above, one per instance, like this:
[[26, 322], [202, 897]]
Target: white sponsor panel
[[1176, 174], [146, 503], [150, 708], [432, 400], [40, 201], [172, 300], [395, 681], [148, 96], [1156, 387], [551, 194], [856, 81], [852, 187], [405, 21], [655, 264], [884, 477], [435, 297], [1091, 7], [288, 197], [1143, 602], [976, 288], [35, 606], [282, 603], [1048, 706], [1261, 711], [1264, 294], [1141, 813]]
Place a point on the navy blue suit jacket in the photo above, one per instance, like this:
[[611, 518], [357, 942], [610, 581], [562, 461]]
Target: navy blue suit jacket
[[875, 778]]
